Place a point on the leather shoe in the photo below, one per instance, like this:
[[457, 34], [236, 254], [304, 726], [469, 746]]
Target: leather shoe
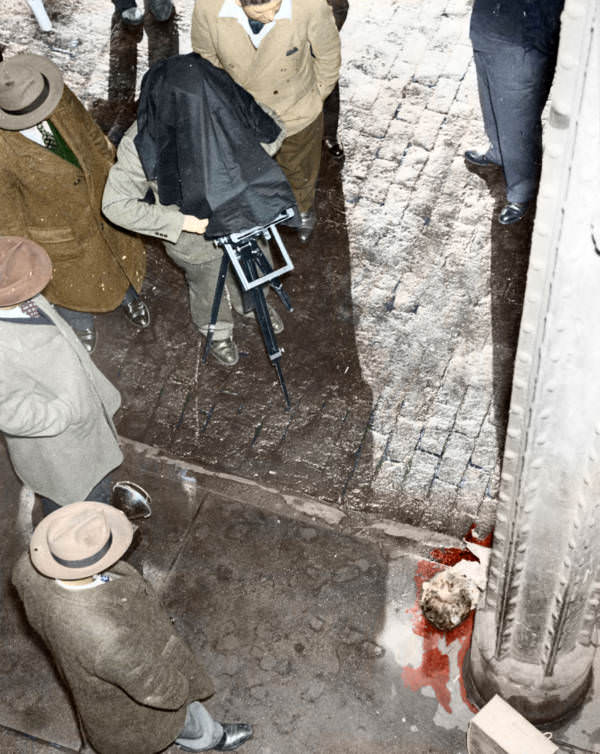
[[308, 220], [234, 735], [137, 312], [131, 499], [161, 9], [88, 338], [512, 213], [132, 16], [276, 321], [334, 148], [479, 160], [225, 351]]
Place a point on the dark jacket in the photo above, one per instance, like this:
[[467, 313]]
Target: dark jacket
[[131, 677], [199, 137]]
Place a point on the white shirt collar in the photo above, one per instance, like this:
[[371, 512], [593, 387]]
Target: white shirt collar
[[231, 9]]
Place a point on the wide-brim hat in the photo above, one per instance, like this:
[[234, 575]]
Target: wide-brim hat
[[30, 89], [25, 269], [79, 540]]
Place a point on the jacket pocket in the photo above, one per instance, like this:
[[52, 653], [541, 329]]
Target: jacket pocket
[[60, 243]]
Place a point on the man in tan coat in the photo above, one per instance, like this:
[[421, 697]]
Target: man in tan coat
[[54, 161], [286, 53], [134, 682]]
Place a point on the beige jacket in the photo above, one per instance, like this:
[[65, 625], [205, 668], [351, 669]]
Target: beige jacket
[[295, 66]]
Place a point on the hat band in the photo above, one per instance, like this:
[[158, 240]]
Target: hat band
[[84, 562], [39, 100]]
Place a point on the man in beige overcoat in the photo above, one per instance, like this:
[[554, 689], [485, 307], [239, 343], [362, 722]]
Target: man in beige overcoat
[[54, 161], [56, 407], [286, 53], [134, 682]]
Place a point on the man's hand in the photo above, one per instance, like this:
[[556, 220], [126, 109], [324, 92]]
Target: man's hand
[[193, 224]]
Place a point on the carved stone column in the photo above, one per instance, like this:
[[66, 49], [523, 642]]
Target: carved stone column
[[532, 642]]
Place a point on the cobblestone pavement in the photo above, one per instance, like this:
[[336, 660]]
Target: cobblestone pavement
[[306, 618], [399, 352]]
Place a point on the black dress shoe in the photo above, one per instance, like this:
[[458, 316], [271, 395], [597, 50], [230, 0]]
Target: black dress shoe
[[137, 312], [88, 338], [161, 9], [276, 321], [234, 735], [334, 148], [131, 499], [308, 220], [479, 160], [512, 213]]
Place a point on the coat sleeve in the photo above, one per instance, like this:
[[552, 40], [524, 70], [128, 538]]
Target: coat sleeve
[[27, 409], [129, 201], [12, 209], [149, 680], [325, 45], [202, 41]]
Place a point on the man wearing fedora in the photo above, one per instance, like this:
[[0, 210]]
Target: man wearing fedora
[[54, 161], [134, 681], [56, 407]]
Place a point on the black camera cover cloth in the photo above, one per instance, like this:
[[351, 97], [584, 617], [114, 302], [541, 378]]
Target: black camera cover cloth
[[199, 136]]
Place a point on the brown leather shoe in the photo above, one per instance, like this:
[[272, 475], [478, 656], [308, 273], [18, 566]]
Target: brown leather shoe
[[225, 351]]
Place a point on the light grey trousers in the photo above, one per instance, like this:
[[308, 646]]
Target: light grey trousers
[[201, 262], [513, 88], [200, 731]]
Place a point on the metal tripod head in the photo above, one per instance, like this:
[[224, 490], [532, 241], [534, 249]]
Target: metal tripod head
[[235, 242]]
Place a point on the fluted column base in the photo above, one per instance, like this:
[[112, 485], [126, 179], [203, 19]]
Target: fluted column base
[[539, 698]]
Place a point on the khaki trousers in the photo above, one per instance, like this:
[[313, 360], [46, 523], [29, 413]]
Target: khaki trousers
[[300, 159]]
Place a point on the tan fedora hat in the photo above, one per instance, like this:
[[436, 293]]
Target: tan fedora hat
[[30, 88], [25, 269], [79, 540]]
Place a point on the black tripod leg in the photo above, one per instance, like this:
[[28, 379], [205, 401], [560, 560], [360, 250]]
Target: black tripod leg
[[264, 322], [214, 313], [265, 267]]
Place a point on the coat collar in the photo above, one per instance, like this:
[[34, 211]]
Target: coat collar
[[230, 9]]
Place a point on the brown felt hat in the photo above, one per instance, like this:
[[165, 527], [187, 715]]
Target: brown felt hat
[[30, 89], [79, 540], [25, 269]]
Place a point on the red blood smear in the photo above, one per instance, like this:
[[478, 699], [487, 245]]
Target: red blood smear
[[434, 670]]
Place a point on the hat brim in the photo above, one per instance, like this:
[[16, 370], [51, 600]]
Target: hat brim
[[56, 85], [38, 278], [43, 560]]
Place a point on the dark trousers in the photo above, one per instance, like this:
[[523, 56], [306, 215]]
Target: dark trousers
[[331, 106], [85, 320], [300, 159], [513, 88], [101, 493], [122, 5]]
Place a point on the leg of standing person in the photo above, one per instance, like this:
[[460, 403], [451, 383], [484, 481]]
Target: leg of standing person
[[514, 85], [129, 12], [300, 159], [331, 106]]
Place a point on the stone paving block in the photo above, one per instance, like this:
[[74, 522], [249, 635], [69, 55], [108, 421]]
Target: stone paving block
[[443, 95], [472, 489], [457, 454], [456, 63], [429, 67], [450, 29], [414, 48], [422, 470]]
